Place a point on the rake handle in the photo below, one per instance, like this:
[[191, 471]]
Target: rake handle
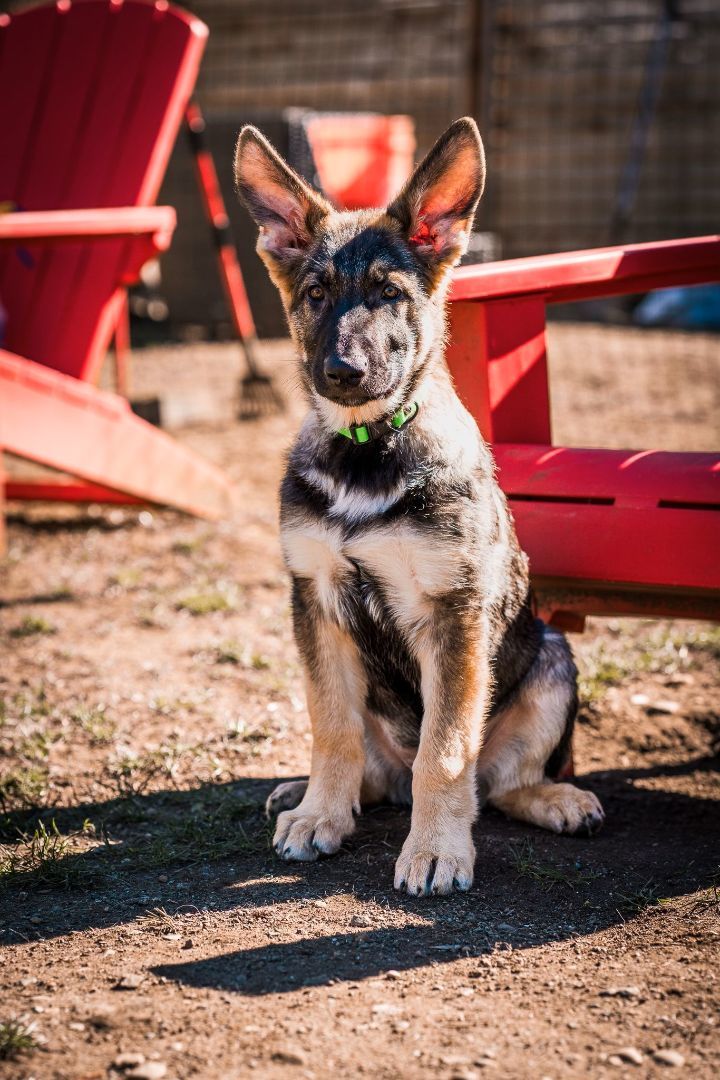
[[229, 266]]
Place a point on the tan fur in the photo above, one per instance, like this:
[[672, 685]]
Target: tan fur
[[325, 816], [561, 808], [438, 853]]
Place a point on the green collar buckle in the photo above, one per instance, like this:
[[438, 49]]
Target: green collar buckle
[[365, 433]]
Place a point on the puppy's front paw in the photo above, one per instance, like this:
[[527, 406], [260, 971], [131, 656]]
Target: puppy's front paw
[[306, 832], [435, 866]]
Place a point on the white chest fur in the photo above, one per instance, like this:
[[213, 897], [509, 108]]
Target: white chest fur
[[410, 566]]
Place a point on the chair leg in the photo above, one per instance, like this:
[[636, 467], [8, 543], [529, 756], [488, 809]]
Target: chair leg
[[121, 344], [3, 534]]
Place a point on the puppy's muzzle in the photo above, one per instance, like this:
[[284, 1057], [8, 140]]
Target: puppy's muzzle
[[343, 377]]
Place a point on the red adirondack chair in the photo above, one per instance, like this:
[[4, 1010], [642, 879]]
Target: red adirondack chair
[[607, 531], [91, 97]]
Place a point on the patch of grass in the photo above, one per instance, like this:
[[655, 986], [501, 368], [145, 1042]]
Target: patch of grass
[[132, 774], [640, 899], [30, 626], [706, 640], [217, 825], [188, 545], [241, 732], [97, 725], [23, 789], [204, 603], [600, 673], [128, 577], [170, 828], [231, 652], [159, 921], [527, 864], [16, 1038], [43, 858], [35, 747]]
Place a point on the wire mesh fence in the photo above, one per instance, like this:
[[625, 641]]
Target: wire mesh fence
[[601, 120]]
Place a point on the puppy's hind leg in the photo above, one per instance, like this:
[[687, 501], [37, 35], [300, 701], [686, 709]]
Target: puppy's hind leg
[[527, 743], [285, 796], [386, 778]]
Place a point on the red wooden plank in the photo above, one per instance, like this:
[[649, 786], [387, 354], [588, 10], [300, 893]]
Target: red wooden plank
[[81, 282], [566, 604], [498, 361], [640, 478], [26, 64], [49, 164], [92, 434], [648, 547], [65, 491], [27, 60], [168, 46], [576, 275], [107, 108], [61, 225], [466, 360]]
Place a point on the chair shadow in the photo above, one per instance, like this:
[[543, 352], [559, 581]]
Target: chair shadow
[[657, 843]]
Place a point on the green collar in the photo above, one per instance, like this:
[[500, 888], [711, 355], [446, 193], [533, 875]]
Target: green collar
[[364, 433]]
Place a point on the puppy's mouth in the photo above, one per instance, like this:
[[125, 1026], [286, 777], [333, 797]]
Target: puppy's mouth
[[360, 395], [359, 408]]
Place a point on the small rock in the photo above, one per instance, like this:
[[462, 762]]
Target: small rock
[[75, 1025], [289, 1057], [507, 927], [35, 920], [102, 1019], [163, 878], [669, 1057], [130, 982], [621, 992], [679, 679], [662, 707], [386, 1008], [629, 1055], [393, 974], [128, 1060], [188, 944], [640, 699], [361, 920], [150, 1070]]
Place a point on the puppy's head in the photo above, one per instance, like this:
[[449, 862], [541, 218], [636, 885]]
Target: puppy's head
[[363, 290]]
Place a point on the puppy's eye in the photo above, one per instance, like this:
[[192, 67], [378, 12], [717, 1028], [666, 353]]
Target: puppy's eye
[[390, 292], [316, 293]]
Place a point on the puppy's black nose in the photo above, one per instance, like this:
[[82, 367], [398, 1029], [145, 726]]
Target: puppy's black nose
[[341, 373]]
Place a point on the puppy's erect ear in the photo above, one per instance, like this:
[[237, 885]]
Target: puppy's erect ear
[[286, 208], [437, 204]]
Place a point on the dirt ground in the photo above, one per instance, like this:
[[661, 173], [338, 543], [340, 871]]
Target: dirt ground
[[150, 697]]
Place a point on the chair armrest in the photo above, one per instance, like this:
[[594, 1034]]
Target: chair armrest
[[579, 275], [157, 222]]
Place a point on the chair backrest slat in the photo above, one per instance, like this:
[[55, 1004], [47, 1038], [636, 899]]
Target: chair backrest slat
[[107, 108]]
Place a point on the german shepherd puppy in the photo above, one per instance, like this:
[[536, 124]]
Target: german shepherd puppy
[[429, 681]]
